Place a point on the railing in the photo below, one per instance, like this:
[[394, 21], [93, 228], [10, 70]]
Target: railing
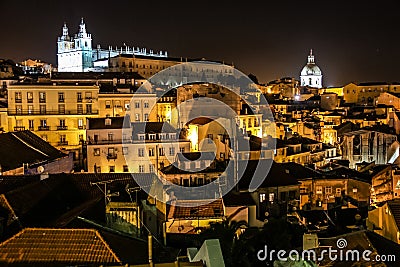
[[52, 112], [19, 128], [62, 127], [43, 128], [63, 143], [112, 156], [81, 127]]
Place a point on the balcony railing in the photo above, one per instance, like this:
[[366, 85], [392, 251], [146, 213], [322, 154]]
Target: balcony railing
[[112, 156], [44, 128], [63, 143], [62, 127], [19, 128], [52, 112], [81, 127]]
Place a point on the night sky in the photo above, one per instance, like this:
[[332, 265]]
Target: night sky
[[352, 40]]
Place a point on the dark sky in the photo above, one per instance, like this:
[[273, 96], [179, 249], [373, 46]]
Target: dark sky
[[352, 40]]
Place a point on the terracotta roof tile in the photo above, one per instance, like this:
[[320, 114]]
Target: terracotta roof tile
[[66, 246]]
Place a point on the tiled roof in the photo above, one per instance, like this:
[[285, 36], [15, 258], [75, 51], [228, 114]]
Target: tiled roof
[[32, 149], [394, 206], [8, 183], [184, 209], [57, 246]]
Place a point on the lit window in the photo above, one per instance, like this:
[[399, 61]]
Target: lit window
[[262, 197]]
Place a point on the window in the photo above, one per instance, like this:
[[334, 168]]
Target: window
[[137, 117], [18, 109], [61, 109], [319, 189], [172, 151], [18, 97], [328, 190], [141, 136], [151, 152], [30, 109], [88, 108], [152, 136], [80, 109], [29, 97], [97, 169], [338, 192], [146, 117], [151, 168], [127, 105], [137, 104], [60, 97], [182, 150], [108, 104], [42, 109], [161, 151], [43, 123], [62, 123], [125, 168], [271, 197], [79, 97], [31, 125], [42, 97], [141, 168], [111, 153], [110, 137], [117, 104], [88, 95], [124, 150], [80, 123], [141, 152], [63, 139], [111, 168], [210, 138], [146, 104]]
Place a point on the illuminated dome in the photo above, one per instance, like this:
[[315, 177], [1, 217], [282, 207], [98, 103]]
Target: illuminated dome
[[311, 74], [311, 69]]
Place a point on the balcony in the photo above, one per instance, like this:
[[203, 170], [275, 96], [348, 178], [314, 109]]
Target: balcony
[[81, 127], [50, 112], [63, 143], [18, 100], [111, 156], [43, 128], [19, 128], [62, 127]]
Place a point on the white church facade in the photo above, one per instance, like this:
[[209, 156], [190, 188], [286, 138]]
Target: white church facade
[[75, 54], [311, 74]]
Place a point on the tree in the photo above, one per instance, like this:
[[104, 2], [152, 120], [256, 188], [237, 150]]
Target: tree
[[253, 78]]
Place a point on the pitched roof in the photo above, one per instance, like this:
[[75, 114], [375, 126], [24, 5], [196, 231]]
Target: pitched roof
[[57, 246], [32, 149], [183, 209]]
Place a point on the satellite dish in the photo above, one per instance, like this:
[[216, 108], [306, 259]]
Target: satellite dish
[[266, 214], [40, 169]]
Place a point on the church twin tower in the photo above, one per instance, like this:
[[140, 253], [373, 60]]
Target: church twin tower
[[74, 54]]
